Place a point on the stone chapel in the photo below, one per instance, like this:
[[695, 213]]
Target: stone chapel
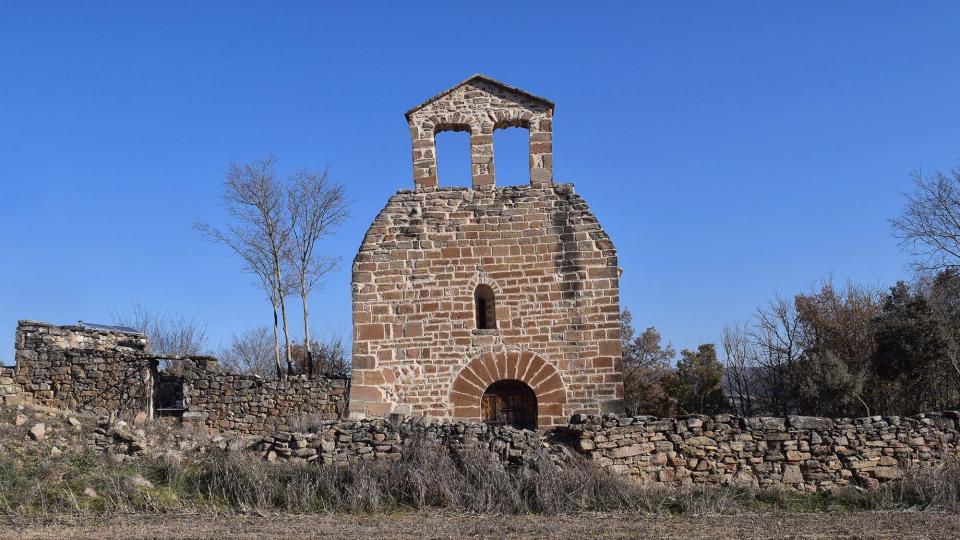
[[490, 303]]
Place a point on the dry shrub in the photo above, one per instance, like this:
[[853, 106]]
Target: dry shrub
[[926, 488], [428, 475]]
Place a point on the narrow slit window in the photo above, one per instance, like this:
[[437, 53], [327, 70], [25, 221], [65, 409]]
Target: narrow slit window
[[486, 308]]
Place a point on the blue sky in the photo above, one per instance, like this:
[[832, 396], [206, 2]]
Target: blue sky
[[733, 150]]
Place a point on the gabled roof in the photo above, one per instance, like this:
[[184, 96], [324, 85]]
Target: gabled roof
[[489, 80]]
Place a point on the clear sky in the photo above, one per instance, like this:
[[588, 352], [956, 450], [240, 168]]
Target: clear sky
[[732, 150]]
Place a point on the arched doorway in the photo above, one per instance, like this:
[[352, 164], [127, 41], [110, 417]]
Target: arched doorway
[[509, 402]]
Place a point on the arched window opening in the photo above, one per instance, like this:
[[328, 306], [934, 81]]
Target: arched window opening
[[486, 308], [509, 403], [453, 158], [511, 148]]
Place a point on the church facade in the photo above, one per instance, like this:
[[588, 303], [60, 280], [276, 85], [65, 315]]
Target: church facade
[[489, 303]]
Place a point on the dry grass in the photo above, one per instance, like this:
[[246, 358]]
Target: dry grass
[[427, 478]]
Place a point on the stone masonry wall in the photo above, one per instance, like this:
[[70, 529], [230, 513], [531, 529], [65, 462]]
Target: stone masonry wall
[[804, 453], [378, 438], [81, 369], [554, 274], [106, 372], [10, 391], [226, 401], [801, 452], [480, 105]]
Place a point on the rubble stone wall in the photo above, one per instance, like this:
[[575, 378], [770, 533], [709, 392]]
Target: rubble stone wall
[[555, 281], [226, 401], [107, 372], [82, 369], [378, 438], [10, 391], [806, 453]]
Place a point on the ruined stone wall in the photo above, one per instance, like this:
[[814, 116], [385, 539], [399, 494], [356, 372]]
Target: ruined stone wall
[[81, 369], [801, 452], [105, 372], [554, 274], [227, 401], [804, 453], [11, 393], [381, 439]]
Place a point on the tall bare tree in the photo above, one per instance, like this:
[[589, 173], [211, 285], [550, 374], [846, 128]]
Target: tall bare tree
[[930, 224], [254, 197], [316, 206]]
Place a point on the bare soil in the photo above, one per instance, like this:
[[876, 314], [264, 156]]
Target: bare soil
[[449, 525]]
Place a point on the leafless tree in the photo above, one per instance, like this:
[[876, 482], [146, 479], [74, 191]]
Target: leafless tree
[[776, 342], [250, 352], [930, 224], [173, 335], [316, 206], [260, 234], [739, 369]]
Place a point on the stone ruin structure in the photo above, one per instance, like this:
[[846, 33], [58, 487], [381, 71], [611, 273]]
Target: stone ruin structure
[[106, 371], [494, 304]]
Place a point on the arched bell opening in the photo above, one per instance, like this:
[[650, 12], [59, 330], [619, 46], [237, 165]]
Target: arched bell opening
[[510, 403]]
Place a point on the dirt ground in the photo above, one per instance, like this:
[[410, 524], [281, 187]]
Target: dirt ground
[[443, 525]]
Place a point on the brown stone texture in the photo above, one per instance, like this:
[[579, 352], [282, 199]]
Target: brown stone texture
[[11, 393], [553, 271], [106, 372], [76, 368], [802, 453], [480, 105], [805, 453], [237, 402]]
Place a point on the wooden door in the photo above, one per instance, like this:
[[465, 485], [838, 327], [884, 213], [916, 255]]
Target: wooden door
[[510, 403]]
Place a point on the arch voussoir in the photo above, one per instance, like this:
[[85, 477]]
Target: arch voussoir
[[469, 385]]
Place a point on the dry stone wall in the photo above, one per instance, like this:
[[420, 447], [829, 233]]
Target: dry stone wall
[[553, 271], [226, 401], [82, 369], [801, 452], [10, 391], [382, 439], [107, 372]]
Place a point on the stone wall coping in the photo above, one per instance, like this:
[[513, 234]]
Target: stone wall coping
[[70, 327], [794, 422]]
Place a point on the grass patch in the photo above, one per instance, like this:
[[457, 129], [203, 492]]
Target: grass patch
[[427, 477]]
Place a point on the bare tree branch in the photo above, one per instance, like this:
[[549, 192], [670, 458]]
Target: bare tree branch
[[929, 227], [176, 336], [254, 197]]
